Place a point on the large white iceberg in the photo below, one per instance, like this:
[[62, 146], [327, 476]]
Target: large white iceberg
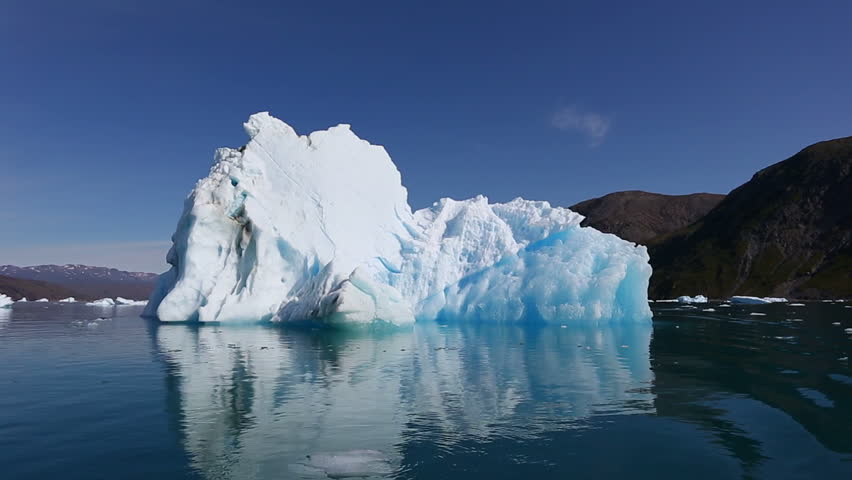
[[318, 227], [5, 301]]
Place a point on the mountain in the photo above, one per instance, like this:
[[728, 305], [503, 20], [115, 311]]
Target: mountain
[[33, 289], [786, 232], [640, 216], [89, 282]]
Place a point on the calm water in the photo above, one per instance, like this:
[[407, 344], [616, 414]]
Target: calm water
[[723, 394]]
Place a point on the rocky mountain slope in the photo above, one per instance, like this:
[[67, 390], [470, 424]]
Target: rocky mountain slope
[[87, 281], [640, 216], [33, 289], [786, 232]]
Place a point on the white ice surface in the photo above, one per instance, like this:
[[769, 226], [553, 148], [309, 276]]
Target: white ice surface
[[5, 301], [756, 300], [318, 227], [695, 299], [68, 300], [104, 302], [121, 301]]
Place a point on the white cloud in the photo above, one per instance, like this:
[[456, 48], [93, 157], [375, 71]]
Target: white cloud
[[131, 256], [593, 125]]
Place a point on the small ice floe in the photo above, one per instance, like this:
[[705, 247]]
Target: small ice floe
[[695, 299], [848, 330], [796, 320], [127, 301], [89, 323], [23, 300], [796, 305], [789, 337], [844, 359], [847, 306], [348, 464], [672, 300], [756, 300], [725, 305], [836, 324], [5, 301], [41, 300], [709, 310], [563, 326], [757, 314], [104, 302], [68, 300]]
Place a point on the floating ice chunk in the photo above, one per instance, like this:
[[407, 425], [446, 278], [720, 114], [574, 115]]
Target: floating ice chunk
[[725, 305], [796, 305], [294, 228], [104, 302], [41, 300], [836, 324], [758, 314], [709, 310], [127, 301], [5, 301], [68, 300], [756, 300], [23, 300], [695, 299], [847, 330]]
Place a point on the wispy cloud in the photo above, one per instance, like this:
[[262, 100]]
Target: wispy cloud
[[593, 126]]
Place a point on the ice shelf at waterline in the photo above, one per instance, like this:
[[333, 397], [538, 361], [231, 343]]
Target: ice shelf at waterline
[[318, 227]]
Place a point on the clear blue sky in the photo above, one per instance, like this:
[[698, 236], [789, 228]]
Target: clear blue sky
[[109, 112]]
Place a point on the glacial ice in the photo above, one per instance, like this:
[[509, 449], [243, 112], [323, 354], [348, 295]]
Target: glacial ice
[[756, 300], [68, 300], [318, 227], [104, 302], [121, 301], [5, 301], [22, 300], [695, 299], [41, 300]]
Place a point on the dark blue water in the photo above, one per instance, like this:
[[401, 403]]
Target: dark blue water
[[722, 394]]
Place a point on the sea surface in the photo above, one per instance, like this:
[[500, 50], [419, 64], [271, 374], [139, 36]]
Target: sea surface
[[740, 392]]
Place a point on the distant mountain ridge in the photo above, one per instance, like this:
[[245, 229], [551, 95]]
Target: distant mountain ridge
[[86, 281], [640, 216]]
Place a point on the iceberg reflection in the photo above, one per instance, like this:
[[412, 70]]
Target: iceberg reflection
[[259, 402]]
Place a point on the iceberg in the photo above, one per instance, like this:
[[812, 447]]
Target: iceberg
[[121, 301], [292, 228], [41, 300], [695, 299], [756, 300], [104, 302], [23, 300], [68, 300], [5, 301]]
